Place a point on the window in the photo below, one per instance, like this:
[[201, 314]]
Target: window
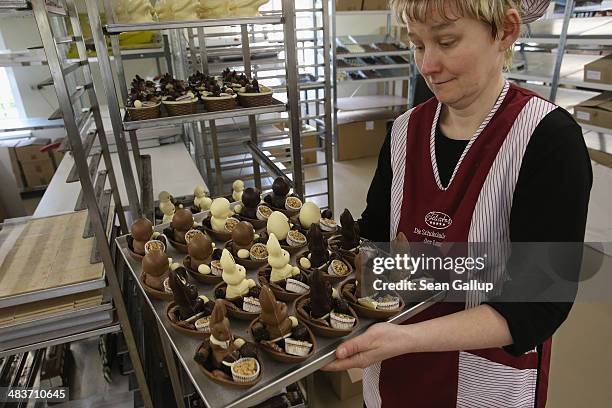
[[8, 107]]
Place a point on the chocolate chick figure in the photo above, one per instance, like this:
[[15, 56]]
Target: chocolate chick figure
[[200, 251], [182, 221], [349, 230], [142, 230], [317, 245]]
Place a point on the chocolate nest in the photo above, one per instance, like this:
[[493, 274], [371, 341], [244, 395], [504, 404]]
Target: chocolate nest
[[137, 256], [279, 288], [234, 305], [179, 246], [189, 328], [276, 349], [304, 309], [224, 375]]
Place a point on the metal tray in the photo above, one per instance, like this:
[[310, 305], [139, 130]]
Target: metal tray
[[277, 375]]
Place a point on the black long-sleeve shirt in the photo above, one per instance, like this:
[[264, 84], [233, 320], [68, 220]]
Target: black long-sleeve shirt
[[555, 179]]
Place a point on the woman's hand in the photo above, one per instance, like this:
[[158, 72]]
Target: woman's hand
[[379, 342]]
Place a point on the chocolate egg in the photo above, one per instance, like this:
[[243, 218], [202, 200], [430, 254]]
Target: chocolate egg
[[243, 234], [309, 214], [278, 224], [142, 229], [155, 263], [182, 220], [200, 247]]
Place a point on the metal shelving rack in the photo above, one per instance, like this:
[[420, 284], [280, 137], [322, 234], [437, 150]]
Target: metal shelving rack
[[564, 69], [83, 127], [389, 82], [205, 136], [384, 79], [314, 46]]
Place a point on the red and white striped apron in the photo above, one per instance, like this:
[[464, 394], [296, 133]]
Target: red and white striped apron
[[478, 200]]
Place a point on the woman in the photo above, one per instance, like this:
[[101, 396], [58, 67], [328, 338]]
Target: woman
[[493, 157]]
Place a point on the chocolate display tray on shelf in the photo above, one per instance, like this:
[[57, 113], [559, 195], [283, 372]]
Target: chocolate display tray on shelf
[[277, 375], [202, 115]]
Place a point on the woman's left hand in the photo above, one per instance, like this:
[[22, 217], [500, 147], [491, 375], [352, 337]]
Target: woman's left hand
[[379, 342]]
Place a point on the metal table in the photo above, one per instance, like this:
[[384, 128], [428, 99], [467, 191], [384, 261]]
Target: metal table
[[277, 375]]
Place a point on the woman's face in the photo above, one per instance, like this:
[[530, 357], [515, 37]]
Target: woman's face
[[457, 58]]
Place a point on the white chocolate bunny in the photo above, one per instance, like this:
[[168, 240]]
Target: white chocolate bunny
[[278, 259], [235, 277]]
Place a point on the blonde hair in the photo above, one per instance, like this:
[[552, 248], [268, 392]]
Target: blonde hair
[[490, 12]]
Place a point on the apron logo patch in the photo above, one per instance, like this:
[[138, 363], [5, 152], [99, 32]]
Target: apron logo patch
[[438, 220]]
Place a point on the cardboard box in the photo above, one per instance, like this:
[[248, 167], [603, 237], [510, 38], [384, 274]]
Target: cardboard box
[[375, 5], [362, 133], [599, 71], [37, 172], [29, 149], [348, 5], [346, 384], [15, 166], [57, 157], [596, 111]]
